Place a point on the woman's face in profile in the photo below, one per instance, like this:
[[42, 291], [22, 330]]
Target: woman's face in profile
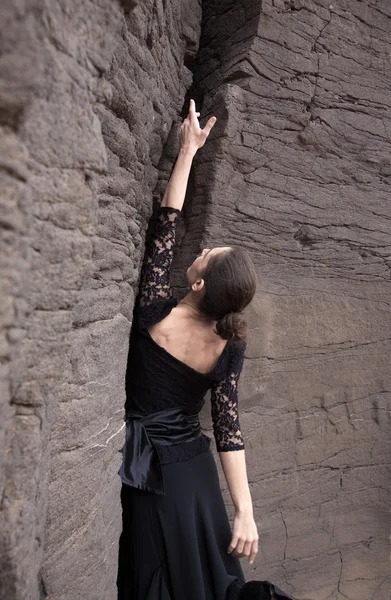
[[196, 269]]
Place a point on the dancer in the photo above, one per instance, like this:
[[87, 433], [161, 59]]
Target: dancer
[[177, 543]]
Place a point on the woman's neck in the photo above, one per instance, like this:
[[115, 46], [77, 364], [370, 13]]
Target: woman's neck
[[190, 304]]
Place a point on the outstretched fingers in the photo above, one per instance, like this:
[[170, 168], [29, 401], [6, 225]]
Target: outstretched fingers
[[192, 136], [207, 129], [192, 111]]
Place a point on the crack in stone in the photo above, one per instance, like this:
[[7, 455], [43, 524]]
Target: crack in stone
[[311, 103], [286, 534]]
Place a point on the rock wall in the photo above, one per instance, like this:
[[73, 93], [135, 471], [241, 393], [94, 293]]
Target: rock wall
[[297, 170], [89, 94]]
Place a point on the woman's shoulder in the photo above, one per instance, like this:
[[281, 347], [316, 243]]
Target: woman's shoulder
[[148, 315], [231, 361], [237, 351]]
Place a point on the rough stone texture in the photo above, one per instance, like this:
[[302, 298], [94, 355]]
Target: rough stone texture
[[88, 96], [298, 172]]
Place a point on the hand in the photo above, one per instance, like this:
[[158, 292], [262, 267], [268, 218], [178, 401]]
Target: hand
[[192, 136], [244, 536]]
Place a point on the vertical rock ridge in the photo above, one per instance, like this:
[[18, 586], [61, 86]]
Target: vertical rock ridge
[[89, 92]]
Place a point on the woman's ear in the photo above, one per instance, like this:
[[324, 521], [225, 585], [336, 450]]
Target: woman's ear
[[198, 285]]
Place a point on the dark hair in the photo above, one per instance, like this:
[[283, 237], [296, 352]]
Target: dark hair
[[230, 285]]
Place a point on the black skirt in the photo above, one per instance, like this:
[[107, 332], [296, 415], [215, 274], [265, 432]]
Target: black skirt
[[174, 546]]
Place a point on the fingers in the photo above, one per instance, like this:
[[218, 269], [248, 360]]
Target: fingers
[[253, 552], [193, 115], [187, 119], [236, 546], [192, 111], [232, 544], [240, 548], [190, 130], [247, 549], [206, 130]]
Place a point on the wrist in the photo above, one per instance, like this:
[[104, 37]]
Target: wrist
[[188, 151], [244, 508]]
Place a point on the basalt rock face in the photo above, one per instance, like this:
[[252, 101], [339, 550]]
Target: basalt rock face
[[89, 94], [298, 172]]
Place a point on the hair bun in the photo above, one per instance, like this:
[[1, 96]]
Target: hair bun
[[232, 326], [230, 282]]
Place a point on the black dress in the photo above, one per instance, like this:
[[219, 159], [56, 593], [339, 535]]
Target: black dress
[[175, 526]]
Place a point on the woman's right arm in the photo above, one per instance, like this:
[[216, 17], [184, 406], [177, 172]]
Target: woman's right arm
[[155, 270], [192, 138]]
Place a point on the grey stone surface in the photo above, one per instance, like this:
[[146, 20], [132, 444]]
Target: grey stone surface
[[298, 172], [297, 169], [89, 93]]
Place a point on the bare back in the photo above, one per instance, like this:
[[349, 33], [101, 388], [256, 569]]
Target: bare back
[[188, 339]]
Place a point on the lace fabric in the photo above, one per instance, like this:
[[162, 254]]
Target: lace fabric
[[184, 451], [155, 271], [224, 404], [153, 303]]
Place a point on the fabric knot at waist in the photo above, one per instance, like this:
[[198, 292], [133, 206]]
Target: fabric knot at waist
[[141, 466]]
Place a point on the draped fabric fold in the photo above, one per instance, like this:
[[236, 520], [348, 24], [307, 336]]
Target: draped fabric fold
[[256, 589], [141, 466], [158, 589]]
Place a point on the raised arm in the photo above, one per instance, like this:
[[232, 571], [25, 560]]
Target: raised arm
[[192, 139], [155, 270], [230, 445]]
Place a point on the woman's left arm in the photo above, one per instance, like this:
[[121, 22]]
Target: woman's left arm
[[230, 446], [245, 536]]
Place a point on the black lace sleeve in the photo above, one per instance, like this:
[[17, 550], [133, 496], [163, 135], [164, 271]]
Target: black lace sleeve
[[224, 405], [159, 251]]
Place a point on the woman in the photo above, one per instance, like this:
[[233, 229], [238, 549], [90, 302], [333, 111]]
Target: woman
[[177, 542]]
